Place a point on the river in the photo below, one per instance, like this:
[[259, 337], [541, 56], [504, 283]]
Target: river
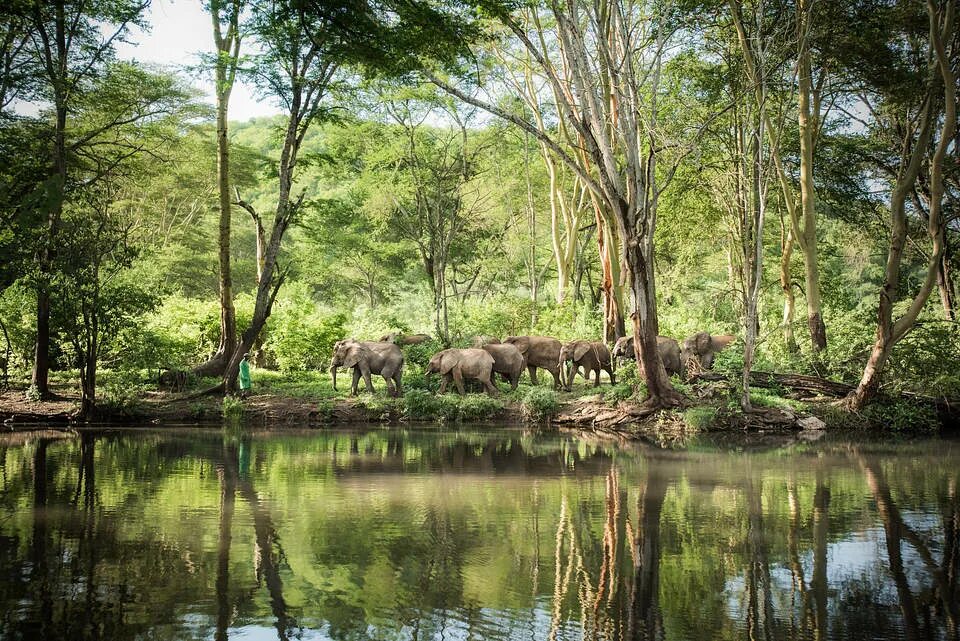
[[482, 533]]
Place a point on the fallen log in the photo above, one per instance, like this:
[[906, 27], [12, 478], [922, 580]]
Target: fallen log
[[949, 407]]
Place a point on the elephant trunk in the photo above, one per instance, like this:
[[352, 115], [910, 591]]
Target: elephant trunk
[[333, 374]]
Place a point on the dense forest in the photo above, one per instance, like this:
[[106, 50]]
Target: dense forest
[[785, 171]]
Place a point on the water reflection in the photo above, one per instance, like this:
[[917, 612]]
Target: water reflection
[[471, 535]]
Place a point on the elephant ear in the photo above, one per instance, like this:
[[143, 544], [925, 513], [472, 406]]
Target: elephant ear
[[447, 363], [580, 350], [702, 342], [354, 354], [523, 346], [720, 343]]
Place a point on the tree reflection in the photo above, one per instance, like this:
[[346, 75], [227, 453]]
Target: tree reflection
[[897, 531], [645, 619], [227, 473]]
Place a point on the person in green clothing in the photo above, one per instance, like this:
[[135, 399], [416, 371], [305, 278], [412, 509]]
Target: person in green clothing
[[244, 378]]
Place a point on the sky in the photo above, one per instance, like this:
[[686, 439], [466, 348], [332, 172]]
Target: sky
[[178, 31]]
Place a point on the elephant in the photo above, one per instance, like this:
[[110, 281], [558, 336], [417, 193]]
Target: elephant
[[404, 339], [591, 355], [456, 364], [507, 361], [668, 347], [704, 347], [368, 357], [539, 351], [480, 341]]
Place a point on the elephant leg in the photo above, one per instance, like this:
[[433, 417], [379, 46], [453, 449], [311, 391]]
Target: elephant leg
[[514, 381], [391, 390], [443, 383], [366, 379], [596, 381], [356, 381], [458, 380], [613, 380], [491, 388], [397, 376], [533, 374], [567, 378], [557, 383]]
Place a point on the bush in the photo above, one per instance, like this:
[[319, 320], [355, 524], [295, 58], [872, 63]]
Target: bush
[[901, 416], [539, 403], [423, 405], [619, 392], [699, 419], [232, 408], [119, 394]]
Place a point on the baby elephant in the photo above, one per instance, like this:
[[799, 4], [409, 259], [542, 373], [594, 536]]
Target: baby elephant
[[366, 358], [591, 355], [458, 364]]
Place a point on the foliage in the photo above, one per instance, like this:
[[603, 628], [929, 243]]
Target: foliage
[[538, 403], [700, 418], [421, 404], [232, 408]]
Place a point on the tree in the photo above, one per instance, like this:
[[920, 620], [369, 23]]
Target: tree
[[608, 79], [922, 148], [224, 13], [72, 44], [751, 167], [304, 45]]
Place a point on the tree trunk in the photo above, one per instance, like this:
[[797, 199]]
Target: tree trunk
[[808, 123], [662, 393], [786, 285], [226, 64], [948, 297]]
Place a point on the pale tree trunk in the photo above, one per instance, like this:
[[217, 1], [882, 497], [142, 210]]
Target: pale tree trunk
[[786, 285], [943, 78], [808, 120], [752, 187], [228, 55]]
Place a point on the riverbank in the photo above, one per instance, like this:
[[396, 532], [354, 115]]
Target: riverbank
[[310, 401]]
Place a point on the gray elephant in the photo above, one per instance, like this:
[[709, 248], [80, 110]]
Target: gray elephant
[[507, 361], [404, 339], [668, 347], [366, 358], [538, 351], [457, 364], [480, 341], [592, 356], [704, 347]]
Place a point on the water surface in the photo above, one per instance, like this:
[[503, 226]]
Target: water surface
[[472, 534]]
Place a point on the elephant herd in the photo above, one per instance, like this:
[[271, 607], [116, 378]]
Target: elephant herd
[[489, 357]]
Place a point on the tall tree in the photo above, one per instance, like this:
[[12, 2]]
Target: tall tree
[[607, 73], [926, 126], [304, 44], [227, 36], [73, 42]]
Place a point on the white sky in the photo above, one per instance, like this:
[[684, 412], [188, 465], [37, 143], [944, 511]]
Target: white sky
[[179, 30]]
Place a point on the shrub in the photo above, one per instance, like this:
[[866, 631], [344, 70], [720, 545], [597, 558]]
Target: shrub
[[421, 404], [901, 416], [120, 393], [232, 408], [478, 406], [619, 392], [539, 403], [700, 418]]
